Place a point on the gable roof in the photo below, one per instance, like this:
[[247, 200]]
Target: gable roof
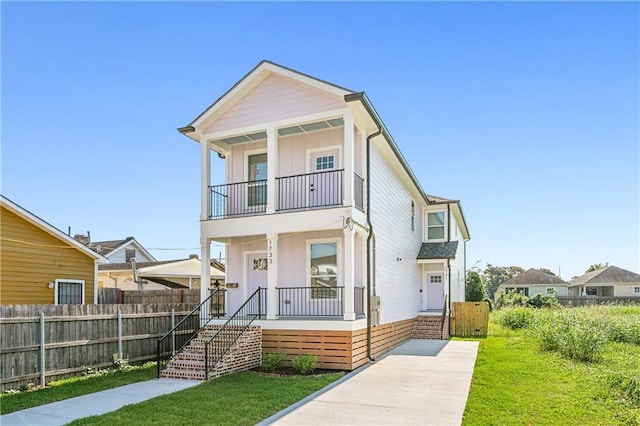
[[532, 277], [50, 229], [250, 80], [608, 275], [107, 248], [438, 250]]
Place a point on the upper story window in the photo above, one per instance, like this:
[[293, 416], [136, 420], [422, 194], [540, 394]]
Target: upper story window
[[436, 225], [129, 254]]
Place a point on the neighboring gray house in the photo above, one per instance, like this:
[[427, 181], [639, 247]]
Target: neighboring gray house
[[610, 281], [534, 281]]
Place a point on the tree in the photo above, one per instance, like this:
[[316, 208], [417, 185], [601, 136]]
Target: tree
[[596, 267], [474, 289], [493, 276]]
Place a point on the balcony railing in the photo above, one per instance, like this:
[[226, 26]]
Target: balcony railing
[[299, 192], [311, 190], [238, 199], [316, 301]]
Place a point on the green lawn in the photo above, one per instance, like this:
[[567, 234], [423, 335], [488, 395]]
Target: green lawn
[[243, 398], [514, 382], [72, 387]]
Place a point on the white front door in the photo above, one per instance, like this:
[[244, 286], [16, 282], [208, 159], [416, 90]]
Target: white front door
[[325, 185], [435, 291], [257, 276]]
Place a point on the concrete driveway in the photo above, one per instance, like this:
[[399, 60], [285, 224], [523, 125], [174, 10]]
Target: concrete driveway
[[421, 382]]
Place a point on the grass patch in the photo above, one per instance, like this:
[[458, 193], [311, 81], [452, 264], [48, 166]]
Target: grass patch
[[516, 382], [75, 386], [243, 398]]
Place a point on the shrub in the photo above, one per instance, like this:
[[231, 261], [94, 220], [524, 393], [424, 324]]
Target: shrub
[[627, 386], [543, 301], [582, 338], [511, 299], [623, 330], [305, 364], [516, 318], [272, 362]]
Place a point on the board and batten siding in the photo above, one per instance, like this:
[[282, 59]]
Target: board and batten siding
[[398, 282], [33, 258], [275, 98]]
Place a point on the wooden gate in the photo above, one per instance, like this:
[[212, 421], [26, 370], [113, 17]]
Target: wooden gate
[[469, 319]]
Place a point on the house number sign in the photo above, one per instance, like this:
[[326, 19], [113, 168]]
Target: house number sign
[[270, 251]]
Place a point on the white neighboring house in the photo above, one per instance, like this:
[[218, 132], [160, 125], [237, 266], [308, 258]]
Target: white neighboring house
[[122, 251], [610, 281], [534, 281], [322, 212]]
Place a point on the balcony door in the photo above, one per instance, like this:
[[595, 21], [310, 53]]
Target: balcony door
[[325, 179], [257, 180]]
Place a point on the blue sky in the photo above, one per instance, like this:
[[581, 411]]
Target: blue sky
[[526, 112]]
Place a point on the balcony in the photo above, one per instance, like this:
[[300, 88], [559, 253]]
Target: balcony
[[298, 192]]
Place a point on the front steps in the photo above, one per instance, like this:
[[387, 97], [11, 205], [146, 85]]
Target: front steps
[[429, 326], [246, 353]]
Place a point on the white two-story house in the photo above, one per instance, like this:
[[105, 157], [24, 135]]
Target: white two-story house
[[321, 211]]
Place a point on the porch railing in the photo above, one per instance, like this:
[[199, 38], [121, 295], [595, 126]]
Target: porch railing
[[311, 190], [238, 199], [189, 326], [316, 301]]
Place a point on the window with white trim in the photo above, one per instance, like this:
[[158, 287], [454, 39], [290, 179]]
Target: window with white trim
[[636, 290], [69, 292], [592, 291], [323, 269], [129, 254], [551, 291], [436, 225]]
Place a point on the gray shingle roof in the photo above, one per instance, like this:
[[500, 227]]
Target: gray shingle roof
[[438, 250], [610, 274], [533, 276]]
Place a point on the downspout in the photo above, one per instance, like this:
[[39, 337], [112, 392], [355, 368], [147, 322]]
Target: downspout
[[370, 240], [449, 260]]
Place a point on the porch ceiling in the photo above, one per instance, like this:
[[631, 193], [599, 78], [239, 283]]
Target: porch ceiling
[[284, 131]]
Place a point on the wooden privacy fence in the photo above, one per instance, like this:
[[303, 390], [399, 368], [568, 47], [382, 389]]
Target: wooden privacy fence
[[469, 319], [43, 342], [597, 300], [115, 295]]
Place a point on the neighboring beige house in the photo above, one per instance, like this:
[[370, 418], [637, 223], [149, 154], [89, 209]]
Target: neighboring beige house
[[158, 275], [534, 281], [610, 281]]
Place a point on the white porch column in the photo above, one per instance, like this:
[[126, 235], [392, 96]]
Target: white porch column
[[205, 275], [349, 160], [349, 274], [205, 178], [272, 276], [272, 168]]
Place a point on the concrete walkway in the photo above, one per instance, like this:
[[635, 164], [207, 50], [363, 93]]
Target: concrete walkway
[[421, 382], [62, 412]]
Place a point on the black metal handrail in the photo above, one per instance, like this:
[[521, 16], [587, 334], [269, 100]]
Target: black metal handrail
[[444, 315], [316, 301], [189, 326], [254, 307], [238, 199], [310, 190]]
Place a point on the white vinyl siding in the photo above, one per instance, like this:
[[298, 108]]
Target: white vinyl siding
[[276, 98], [398, 275]]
